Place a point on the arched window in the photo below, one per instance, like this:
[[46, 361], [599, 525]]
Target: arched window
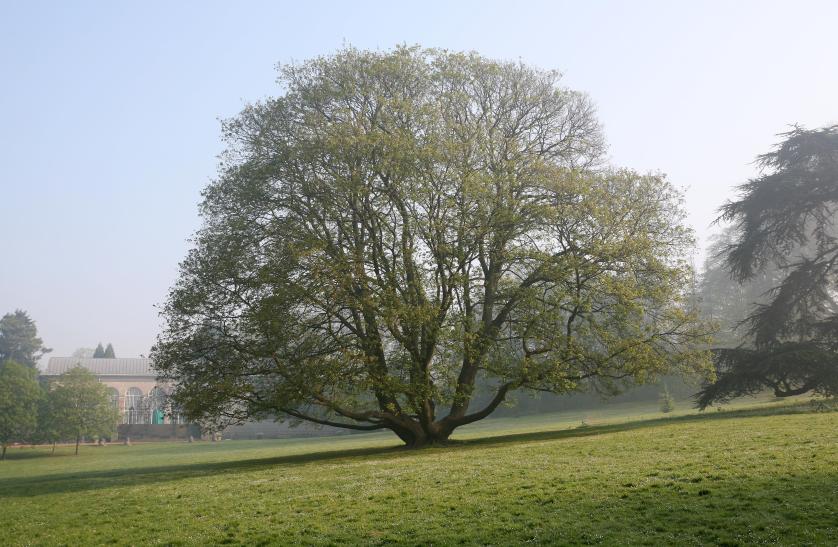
[[114, 397], [175, 416], [157, 405], [133, 400]]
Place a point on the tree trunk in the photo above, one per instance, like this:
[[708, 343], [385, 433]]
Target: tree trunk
[[417, 434], [437, 439], [78, 440], [53, 448], [3, 455], [420, 437]]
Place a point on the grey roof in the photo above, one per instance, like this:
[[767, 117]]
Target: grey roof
[[133, 366]]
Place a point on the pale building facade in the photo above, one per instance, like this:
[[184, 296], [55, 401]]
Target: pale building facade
[[133, 386]]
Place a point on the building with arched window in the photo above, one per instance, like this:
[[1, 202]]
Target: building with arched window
[[132, 384]]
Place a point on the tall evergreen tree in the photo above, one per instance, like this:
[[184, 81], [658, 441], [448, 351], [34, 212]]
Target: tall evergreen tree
[[99, 352], [19, 340], [786, 219], [109, 353]]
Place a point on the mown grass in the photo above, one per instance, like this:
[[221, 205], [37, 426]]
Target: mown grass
[[754, 476]]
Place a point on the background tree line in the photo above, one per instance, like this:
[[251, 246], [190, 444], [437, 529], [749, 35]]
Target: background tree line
[[71, 407]]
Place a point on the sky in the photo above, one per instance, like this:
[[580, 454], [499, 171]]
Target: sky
[[109, 116]]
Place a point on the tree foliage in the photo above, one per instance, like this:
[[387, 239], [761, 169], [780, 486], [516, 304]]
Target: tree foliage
[[397, 226], [667, 402], [99, 352], [785, 221], [727, 301], [109, 352], [19, 398], [50, 421], [83, 353], [19, 340], [80, 406]]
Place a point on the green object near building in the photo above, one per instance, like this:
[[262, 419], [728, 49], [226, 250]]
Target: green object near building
[[157, 417]]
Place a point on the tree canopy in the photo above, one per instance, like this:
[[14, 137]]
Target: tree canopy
[[50, 421], [726, 301], [399, 225], [785, 221], [83, 353], [80, 406], [109, 352], [19, 340], [19, 399], [99, 352]]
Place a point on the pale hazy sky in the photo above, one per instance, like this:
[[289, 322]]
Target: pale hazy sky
[[109, 116]]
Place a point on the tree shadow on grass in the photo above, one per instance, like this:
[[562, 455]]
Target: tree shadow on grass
[[587, 431], [136, 476], [26, 453]]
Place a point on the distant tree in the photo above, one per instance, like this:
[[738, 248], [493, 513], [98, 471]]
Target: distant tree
[[50, 421], [19, 340], [81, 406], [83, 353], [109, 353], [786, 219], [667, 401], [726, 301], [99, 352], [400, 226], [19, 398]]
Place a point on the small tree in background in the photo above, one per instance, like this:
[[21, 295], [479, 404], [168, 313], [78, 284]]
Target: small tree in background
[[19, 340], [109, 353], [83, 353], [667, 402], [19, 397], [50, 421], [99, 352], [81, 406], [726, 301]]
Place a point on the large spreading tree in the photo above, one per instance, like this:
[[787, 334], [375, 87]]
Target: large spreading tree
[[785, 221], [399, 227]]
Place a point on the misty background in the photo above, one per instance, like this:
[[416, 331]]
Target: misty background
[[110, 116]]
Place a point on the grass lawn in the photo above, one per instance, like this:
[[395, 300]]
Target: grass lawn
[[763, 475]]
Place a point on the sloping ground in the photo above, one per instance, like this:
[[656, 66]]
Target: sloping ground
[[761, 476], [269, 429]]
